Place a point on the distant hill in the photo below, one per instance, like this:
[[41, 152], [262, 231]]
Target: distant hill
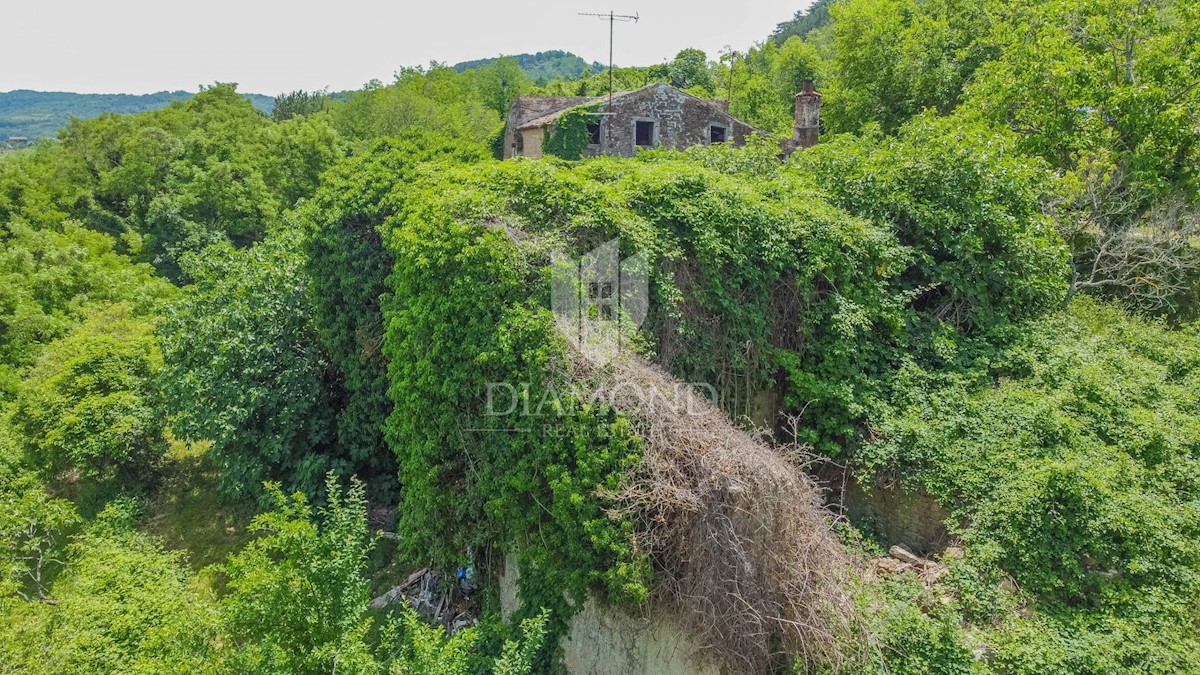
[[805, 21], [542, 66], [40, 114]]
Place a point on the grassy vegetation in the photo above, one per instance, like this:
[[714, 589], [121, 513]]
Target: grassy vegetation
[[187, 512]]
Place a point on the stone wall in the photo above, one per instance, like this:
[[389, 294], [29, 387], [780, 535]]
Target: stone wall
[[681, 121], [606, 640], [896, 513], [528, 108]]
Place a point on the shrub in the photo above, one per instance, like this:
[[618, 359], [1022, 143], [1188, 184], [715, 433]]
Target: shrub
[[1070, 464], [123, 604], [967, 203], [91, 405]]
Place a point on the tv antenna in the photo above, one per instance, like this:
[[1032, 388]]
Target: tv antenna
[[612, 19]]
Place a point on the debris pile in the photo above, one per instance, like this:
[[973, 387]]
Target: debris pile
[[900, 560], [439, 599]]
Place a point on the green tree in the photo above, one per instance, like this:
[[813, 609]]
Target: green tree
[[33, 533], [500, 83], [51, 279], [1076, 78], [437, 99], [895, 58], [804, 22], [244, 367], [1105, 92], [689, 70], [970, 206], [91, 405], [298, 103]]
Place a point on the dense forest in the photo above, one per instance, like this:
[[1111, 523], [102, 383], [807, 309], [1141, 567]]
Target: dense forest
[[244, 359]]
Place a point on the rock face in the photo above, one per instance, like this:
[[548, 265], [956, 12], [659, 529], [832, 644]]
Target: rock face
[[605, 640], [897, 513]]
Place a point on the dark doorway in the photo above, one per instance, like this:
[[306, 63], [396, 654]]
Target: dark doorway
[[644, 134], [717, 134], [593, 133]]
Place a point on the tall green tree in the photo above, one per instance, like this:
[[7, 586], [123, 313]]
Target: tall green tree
[[689, 70], [895, 58], [245, 369], [298, 103], [500, 83], [1076, 80]]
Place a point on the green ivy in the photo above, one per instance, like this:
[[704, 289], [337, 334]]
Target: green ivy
[[347, 265], [461, 316], [568, 137]]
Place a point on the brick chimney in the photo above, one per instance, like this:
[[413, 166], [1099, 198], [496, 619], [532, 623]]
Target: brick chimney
[[808, 116]]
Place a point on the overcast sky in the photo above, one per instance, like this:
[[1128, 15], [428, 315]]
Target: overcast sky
[[272, 46]]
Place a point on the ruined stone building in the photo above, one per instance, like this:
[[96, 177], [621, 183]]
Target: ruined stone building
[[657, 115]]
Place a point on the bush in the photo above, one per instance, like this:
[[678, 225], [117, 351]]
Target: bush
[[244, 368], [91, 405], [124, 604], [970, 207], [298, 597], [1070, 464]]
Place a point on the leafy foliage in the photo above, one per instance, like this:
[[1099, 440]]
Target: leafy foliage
[[815, 17], [438, 99], [123, 604], [297, 595], [896, 58], [1069, 463], [460, 317], [91, 405], [54, 278], [347, 265], [33, 529], [244, 368], [901, 291], [297, 103], [968, 204], [1074, 79], [570, 136]]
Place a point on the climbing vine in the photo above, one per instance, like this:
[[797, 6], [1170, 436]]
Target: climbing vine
[[569, 135], [759, 288]]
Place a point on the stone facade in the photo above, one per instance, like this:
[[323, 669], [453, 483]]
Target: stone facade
[[657, 115], [528, 108], [604, 640], [808, 116]]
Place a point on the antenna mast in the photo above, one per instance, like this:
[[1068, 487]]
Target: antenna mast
[[612, 18]]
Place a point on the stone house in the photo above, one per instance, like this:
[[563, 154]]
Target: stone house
[[657, 115]]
